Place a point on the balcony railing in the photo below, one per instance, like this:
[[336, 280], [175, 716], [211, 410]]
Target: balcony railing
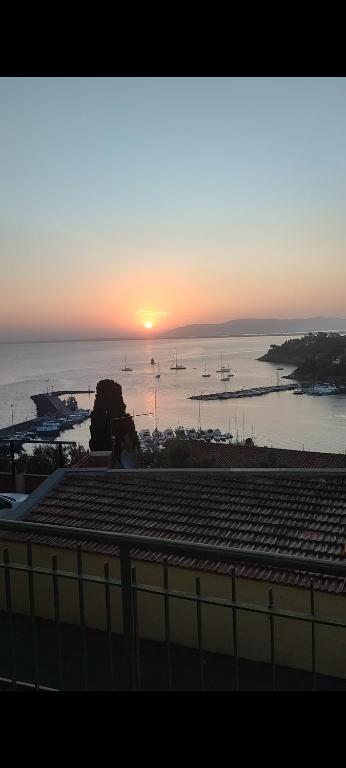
[[126, 658]]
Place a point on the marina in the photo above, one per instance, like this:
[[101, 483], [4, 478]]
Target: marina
[[54, 417], [279, 419], [148, 441]]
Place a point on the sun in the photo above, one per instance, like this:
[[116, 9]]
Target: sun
[[148, 324]]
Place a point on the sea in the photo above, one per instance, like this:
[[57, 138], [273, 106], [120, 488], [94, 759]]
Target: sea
[[277, 419]]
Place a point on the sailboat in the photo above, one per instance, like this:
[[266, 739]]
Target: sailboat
[[126, 367], [156, 433], [158, 374], [223, 368], [205, 374], [177, 367]]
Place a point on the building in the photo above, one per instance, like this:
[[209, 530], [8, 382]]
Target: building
[[272, 522], [237, 456]]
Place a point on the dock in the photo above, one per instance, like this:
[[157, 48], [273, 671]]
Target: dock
[[49, 403], [254, 392]]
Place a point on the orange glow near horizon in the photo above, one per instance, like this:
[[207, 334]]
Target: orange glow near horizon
[[169, 297]]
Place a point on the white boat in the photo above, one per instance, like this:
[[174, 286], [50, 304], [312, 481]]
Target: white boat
[[126, 368], [168, 434], [205, 374], [47, 428], [223, 368], [144, 434], [322, 389], [177, 367]]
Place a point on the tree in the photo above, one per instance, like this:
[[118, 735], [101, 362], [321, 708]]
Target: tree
[[109, 420], [5, 458], [45, 459]]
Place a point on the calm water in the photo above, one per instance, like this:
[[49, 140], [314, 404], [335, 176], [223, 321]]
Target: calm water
[[278, 419]]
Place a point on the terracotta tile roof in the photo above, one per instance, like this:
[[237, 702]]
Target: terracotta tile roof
[[297, 514], [259, 456]]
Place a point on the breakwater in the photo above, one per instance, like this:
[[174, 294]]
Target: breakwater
[[254, 392]]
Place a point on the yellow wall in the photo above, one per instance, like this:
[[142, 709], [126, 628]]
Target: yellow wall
[[292, 638]]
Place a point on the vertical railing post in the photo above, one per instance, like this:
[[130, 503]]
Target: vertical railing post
[[313, 637], [128, 618], [57, 619], [200, 634], [235, 631], [10, 615], [32, 612], [61, 461], [272, 639], [109, 623], [167, 625], [13, 465], [136, 629], [82, 616]]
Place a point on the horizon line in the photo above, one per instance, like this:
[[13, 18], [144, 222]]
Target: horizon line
[[153, 338]]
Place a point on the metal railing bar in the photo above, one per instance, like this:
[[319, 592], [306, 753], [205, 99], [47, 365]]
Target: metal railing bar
[[82, 617], [23, 684], [61, 574], [222, 603], [183, 595], [109, 623], [250, 607], [32, 613], [10, 617], [167, 626], [199, 633], [57, 619], [177, 547]]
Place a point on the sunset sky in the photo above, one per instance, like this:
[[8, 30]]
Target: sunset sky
[[169, 201]]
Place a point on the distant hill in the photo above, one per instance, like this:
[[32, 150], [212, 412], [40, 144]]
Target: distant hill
[[254, 325]]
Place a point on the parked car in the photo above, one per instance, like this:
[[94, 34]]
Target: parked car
[[10, 501]]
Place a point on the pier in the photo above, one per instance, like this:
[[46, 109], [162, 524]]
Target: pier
[[49, 403], [254, 392]]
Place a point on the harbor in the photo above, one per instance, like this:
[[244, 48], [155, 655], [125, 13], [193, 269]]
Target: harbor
[[53, 417], [279, 419]]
